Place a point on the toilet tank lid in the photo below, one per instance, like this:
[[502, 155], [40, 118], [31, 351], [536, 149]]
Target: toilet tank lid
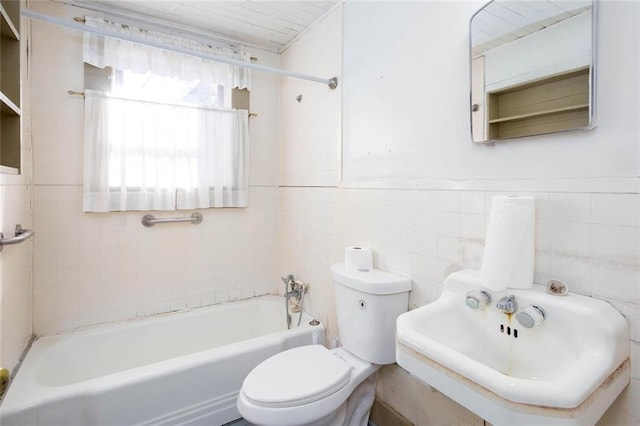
[[373, 281]]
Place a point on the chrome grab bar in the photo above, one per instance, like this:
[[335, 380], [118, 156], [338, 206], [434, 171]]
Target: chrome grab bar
[[150, 220], [20, 236]]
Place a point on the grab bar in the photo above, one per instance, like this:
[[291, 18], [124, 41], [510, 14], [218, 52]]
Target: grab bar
[[150, 220], [20, 236]]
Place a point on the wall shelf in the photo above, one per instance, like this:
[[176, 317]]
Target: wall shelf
[[540, 113], [552, 104], [7, 27], [10, 109]]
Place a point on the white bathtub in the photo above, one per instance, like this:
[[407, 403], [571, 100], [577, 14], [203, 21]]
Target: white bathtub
[[179, 368]]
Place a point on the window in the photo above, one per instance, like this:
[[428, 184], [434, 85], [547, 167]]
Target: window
[[160, 133]]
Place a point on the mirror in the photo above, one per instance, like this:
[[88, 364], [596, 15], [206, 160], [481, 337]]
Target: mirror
[[532, 68]]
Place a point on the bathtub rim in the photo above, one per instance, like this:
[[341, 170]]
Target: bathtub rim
[[33, 393]]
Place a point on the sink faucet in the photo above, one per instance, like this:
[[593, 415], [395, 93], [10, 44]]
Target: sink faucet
[[507, 304]]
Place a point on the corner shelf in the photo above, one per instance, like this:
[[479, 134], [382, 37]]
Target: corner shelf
[[10, 110], [552, 104]]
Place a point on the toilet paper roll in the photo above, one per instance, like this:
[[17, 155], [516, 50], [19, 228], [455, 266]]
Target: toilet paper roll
[[510, 244], [358, 258]]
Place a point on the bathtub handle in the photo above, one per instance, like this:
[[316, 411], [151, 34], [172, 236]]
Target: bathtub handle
[[20, 236]]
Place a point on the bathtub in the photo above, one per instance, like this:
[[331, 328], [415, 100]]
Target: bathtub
[[178, 368]]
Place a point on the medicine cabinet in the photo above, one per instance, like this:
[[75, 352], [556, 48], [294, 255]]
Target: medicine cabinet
[[532, 68]]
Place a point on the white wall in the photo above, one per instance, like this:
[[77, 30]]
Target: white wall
[[92, 268], [587, 229], [406, 100], [15, 260]]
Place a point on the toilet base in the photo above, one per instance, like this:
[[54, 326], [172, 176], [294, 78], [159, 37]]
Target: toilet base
[[360, 402], [355, 411]]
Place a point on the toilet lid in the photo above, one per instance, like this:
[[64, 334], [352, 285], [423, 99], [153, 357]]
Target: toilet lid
[[297, 376]]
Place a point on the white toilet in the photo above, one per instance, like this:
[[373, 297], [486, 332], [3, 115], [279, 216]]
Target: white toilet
[[311, 385]]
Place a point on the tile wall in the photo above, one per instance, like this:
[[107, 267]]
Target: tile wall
[[585, 236], [582, 239], [92, 268]]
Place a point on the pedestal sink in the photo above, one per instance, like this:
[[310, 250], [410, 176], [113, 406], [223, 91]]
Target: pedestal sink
[[565, 370]]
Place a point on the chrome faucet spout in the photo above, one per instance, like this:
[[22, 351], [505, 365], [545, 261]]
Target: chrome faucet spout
[[507, 304], [288, 280]]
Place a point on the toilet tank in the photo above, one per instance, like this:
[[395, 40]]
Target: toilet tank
[[367, 305]]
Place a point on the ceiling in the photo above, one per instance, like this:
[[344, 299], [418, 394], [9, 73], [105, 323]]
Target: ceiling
[[270, 25]]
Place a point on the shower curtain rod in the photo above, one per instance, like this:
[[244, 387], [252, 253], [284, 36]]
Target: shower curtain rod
[[331, 82]]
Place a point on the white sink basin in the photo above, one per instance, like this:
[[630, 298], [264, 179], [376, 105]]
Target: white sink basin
[[570, 367]]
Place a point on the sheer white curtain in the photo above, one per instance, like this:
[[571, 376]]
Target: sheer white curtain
[[161, 139], [103, 52]]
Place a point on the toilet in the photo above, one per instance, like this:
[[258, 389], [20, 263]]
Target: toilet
[[312, 385]]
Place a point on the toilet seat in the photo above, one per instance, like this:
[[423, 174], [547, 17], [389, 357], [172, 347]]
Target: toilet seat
[[296, 377]]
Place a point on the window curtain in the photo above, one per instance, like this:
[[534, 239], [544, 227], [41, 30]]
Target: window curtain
[[101, 52], [154, 154], [132, 162]]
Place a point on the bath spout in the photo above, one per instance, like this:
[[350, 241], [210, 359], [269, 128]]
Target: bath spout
[[296, 292]]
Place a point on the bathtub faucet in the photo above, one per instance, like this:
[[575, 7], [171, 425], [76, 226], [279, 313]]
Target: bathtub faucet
[[289, 280], [293, 290]]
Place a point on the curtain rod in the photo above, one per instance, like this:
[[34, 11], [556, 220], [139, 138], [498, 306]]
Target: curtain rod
[[82, 20], [331, 82]]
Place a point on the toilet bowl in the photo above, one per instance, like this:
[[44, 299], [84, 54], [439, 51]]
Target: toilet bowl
[[312, 385]]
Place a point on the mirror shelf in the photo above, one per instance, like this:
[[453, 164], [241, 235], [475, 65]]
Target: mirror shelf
[[531, 75]]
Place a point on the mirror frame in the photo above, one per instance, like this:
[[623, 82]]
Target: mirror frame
[[591, 83]]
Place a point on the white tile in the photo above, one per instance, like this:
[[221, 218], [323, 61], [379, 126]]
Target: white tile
[[428, 244], [428, 200], [541, 270], [620, 244], [543, 205], [616, 209], [449, 249], [428, 268], [543, 235], [616, 281], [571, 239], [428, 220], [472, 226], [449, 201], [449, 223], [571, 207], [473, 202]]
